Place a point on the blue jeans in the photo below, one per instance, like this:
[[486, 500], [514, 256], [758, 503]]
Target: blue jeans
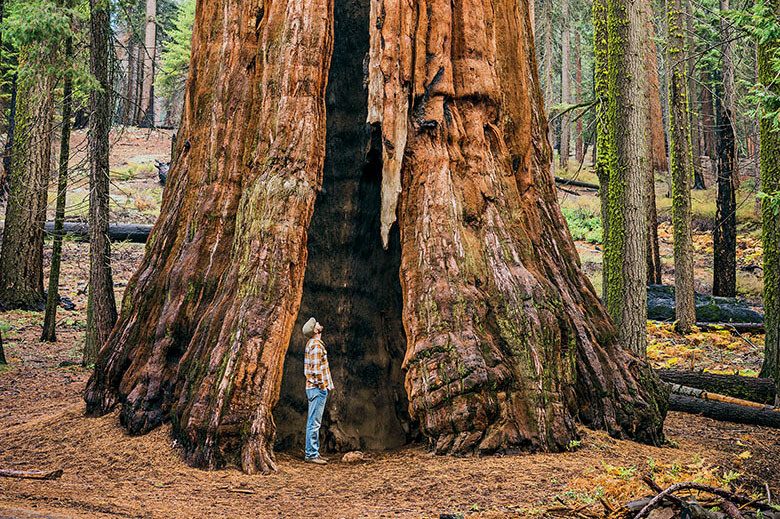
[[316, 399]]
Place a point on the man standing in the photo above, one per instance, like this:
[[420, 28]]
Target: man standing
[[318, 383]]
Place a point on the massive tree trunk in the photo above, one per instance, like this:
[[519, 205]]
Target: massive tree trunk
[[101, 307], [656, 151], [724, 270], [565, 83], [627, 205], [679, 151], [770, 183], [21, 260], [504, 341]]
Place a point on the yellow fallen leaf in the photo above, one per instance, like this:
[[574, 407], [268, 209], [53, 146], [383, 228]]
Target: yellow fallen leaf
[[745, 455]]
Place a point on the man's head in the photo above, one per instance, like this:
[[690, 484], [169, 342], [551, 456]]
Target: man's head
[[311, 328]]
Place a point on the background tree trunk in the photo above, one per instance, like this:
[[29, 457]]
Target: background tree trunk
[[724, 270], [149, 51], [21, 259], [656, 151], [50, 317], [138, 108], [708, 123], [128, 104], [565, 83], [680, 149], [506, 343], [9, 139], [627, 274], [101, 307], [770, 183], [693, 105], [548, 52], [579, 140]]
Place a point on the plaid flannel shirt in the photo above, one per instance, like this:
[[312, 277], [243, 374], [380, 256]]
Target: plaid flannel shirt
[[315, 366]]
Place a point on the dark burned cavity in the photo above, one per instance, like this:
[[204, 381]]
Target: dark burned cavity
[[351, 284]]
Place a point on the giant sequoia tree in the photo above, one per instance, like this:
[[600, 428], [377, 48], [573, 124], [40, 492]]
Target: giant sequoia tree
[[414, 211]]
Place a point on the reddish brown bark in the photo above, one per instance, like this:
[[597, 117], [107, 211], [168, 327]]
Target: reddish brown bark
[[506, 342], [656, 152], [207, 318], [501, 324]]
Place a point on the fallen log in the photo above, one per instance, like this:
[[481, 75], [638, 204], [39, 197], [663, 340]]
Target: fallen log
[[31, 474], [576, 183], [700, 393], [723, 411], [136, 233], [737, 327], [760, 390], [709, 309]]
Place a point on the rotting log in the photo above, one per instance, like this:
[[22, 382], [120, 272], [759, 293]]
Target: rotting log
[[760, 390], [31, 474], [725, 412], [479, 295], [136, 233]]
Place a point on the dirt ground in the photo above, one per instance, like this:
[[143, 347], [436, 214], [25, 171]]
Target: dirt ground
[[110, 474]]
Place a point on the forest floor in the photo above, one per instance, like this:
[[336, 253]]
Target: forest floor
[[110, 474]]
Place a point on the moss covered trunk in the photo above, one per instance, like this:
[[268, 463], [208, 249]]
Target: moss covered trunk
[[602, 145], [770, 183], [680, 150], [436, 172], [21, 259], [627, 156]]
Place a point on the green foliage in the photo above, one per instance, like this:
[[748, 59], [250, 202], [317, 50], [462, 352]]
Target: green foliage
[[37, 30], [773, 199], [176, 52], [584, 225]]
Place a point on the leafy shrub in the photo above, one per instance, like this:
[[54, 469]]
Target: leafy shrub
[[584, 225]]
